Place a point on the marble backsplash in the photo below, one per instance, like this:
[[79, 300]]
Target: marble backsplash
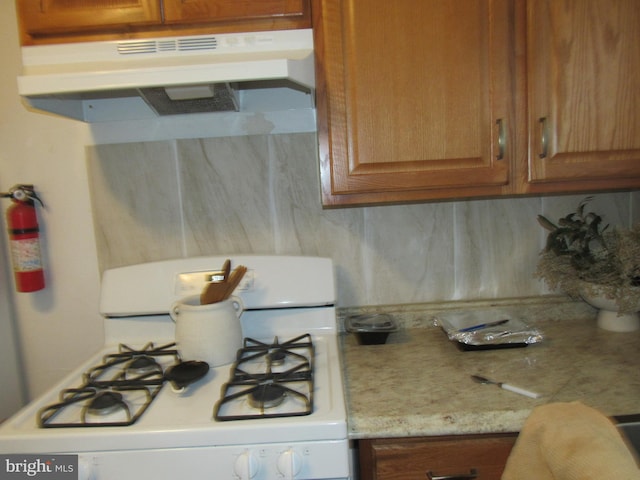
[[260, 194]]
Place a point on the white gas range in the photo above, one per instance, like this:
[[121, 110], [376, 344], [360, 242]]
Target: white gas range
[[152, 431]]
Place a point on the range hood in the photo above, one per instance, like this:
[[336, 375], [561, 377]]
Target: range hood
[[135, 79]]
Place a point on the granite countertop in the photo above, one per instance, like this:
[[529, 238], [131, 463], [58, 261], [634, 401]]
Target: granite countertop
[[418, 384]]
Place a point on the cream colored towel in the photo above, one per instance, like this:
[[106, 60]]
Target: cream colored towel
[[570, 441]]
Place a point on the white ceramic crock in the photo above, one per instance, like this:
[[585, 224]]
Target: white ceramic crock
[[209, 333]]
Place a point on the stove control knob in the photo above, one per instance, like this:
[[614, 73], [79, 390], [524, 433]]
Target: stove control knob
[[289, 463], [246, 466], [85, 469]]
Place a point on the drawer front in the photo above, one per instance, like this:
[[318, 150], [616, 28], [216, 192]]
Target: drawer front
[[480, 457]]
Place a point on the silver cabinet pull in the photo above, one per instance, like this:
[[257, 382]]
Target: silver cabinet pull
[[502, 139], [544, 137], [473, 473]]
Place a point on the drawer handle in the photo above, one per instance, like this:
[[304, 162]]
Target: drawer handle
[[473, 473]]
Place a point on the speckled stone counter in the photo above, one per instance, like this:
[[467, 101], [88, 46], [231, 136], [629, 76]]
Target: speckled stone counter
[[418, 384]]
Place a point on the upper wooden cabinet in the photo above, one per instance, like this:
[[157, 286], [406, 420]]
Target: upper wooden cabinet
[[439, 99], [63, 21], [414, 98], [583, 75], [232, 10], [41, 17]]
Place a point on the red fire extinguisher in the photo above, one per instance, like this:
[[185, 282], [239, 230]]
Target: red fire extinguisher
[[24, 238]]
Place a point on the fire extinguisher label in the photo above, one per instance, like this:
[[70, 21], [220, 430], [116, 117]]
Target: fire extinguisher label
[[26, 255]]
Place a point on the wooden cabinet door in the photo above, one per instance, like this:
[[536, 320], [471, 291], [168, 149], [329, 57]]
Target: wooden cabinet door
[[412, 98], [481, 457], [41, 17], [583, 64], [193, 11]]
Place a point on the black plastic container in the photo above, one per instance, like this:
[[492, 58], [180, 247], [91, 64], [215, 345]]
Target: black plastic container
[[371, 328]]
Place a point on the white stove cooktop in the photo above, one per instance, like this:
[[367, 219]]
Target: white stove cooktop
[[177, 433], [175, 420]]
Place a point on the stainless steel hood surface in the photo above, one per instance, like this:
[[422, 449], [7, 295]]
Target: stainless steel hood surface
[[111, 80]]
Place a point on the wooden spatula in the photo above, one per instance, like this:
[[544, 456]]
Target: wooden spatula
[[212, 293], [215, 291]]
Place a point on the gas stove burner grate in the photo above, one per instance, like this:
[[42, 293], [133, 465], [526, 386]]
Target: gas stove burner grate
[[269, 380], [268, 395], [115, 392], [131, 367], [97, 407], [105, 403]]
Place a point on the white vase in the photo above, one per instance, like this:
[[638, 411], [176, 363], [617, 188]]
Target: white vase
[[608, 316]]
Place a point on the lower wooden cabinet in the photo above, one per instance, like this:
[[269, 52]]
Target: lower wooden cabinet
[[481, 457]]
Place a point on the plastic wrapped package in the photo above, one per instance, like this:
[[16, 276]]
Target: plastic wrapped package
[[487, 329]]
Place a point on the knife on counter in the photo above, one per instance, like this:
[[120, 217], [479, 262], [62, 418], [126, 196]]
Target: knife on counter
[[506, 386]]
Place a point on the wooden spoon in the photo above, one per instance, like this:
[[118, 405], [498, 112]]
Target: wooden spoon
[[226, 269]]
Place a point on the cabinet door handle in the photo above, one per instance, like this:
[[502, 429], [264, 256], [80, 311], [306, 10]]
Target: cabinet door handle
[[473, 473], [502, 139], [544, 137]]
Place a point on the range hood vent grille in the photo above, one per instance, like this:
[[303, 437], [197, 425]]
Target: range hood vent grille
[[222, 99], [188, 44]]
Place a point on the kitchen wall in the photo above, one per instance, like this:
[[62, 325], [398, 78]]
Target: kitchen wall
[[58, 327], [170, 188], [260, 194], [12, 394]]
